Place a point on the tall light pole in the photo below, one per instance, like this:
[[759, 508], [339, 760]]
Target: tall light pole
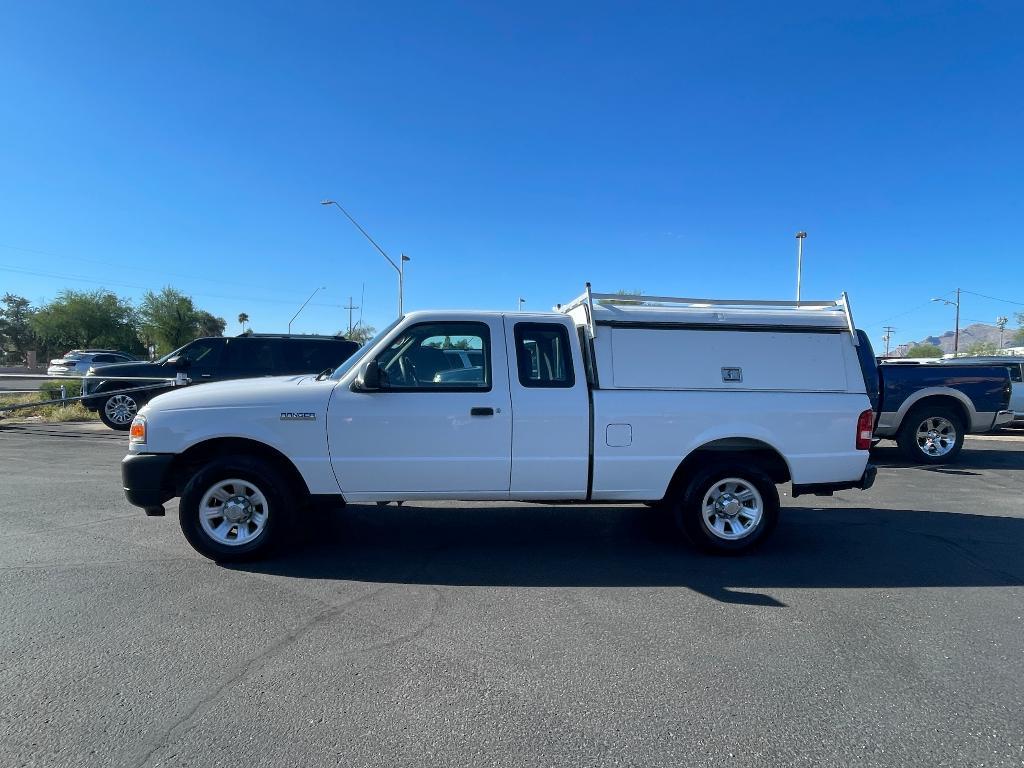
[[399, 268], [800, 237], [521, 302], [956, 333], [314, 293]]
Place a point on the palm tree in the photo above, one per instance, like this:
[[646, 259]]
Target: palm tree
[[242, 320]]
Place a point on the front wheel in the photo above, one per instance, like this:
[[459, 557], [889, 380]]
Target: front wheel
[[235, 508], [727, 509], [118, 411]]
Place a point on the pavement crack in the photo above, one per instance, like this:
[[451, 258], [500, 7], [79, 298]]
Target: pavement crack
[[198, 707]]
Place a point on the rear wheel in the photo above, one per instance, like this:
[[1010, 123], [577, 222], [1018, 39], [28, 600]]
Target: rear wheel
[[931, 435], [235, 508], [728, 508], [118, 411]]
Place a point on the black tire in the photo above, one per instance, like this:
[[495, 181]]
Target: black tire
[[255, 475], [117, 411], [690, 519], [939, 449]]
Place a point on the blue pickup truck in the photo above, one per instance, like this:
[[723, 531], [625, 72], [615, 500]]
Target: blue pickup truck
[[927, 407]]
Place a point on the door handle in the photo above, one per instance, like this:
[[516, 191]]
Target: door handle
[[481, 411]]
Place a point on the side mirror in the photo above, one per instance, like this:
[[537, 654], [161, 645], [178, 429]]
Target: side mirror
[[180, 362], [370, 378]]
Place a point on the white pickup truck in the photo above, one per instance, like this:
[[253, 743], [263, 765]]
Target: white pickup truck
[[699, 406]]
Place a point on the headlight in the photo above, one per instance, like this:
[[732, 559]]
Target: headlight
[[137, 434]]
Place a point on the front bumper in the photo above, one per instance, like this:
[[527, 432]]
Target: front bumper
[[147, 480], [827, 489]]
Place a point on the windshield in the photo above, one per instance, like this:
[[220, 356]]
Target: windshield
[[349, 364], [169, 355]]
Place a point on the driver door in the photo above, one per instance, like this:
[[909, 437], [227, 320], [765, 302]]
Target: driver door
[[437, 428]]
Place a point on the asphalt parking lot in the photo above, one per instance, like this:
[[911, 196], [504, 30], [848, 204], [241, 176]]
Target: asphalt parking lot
[[878, 628]]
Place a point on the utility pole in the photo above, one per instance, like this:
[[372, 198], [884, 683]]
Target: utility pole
[[350, 307], [1001, 322], [800, 237], [956, 333], [888, 335]]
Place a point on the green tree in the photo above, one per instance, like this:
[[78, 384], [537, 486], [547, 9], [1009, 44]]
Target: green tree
[[16, 335], [982, 348], [168, 318], [209, 325], [86, 319], [362, 333], [924, 350], [1018, 336], [243, 318], [626, 298]]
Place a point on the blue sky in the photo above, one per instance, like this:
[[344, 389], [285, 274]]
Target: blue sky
[[514, 150]]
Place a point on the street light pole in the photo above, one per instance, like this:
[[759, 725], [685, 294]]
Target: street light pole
[[800, 237], [521, 302], [314, 293], [399, 268]]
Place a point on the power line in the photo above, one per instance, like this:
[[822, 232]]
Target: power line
[[132, 268], [904, 313], [994, 298], [120, 284]]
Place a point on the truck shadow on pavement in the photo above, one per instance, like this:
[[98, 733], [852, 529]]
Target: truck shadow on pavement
[[968, 462], [521, 545]]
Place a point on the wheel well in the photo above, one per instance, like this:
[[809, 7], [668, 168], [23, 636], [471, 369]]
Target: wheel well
[[944, 401], [742, 450], [188, 462]]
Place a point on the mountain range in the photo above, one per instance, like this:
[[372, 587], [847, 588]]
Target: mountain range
[[974, 333]]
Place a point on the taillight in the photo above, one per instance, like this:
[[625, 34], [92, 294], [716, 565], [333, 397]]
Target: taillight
[[865, 430]]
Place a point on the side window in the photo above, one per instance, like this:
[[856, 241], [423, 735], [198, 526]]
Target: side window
[[253, 356], [103, 358], [1015, 373], [543, 355], [313, 355], [427, 357], [204, 353]]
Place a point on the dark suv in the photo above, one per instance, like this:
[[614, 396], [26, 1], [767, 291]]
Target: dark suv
[[211, 359]]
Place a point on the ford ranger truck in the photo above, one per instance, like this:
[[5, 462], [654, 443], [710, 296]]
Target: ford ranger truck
[[701, 408]]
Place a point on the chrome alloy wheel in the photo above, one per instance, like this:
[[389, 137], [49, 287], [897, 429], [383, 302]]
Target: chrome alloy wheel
[[233, 512], [936, 436], [121, 409], [732, 508]]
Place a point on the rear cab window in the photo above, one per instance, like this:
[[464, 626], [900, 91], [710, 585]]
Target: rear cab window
[[543, 355]]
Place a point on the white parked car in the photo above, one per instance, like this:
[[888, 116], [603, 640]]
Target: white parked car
[[700, 407], [78, 361]]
